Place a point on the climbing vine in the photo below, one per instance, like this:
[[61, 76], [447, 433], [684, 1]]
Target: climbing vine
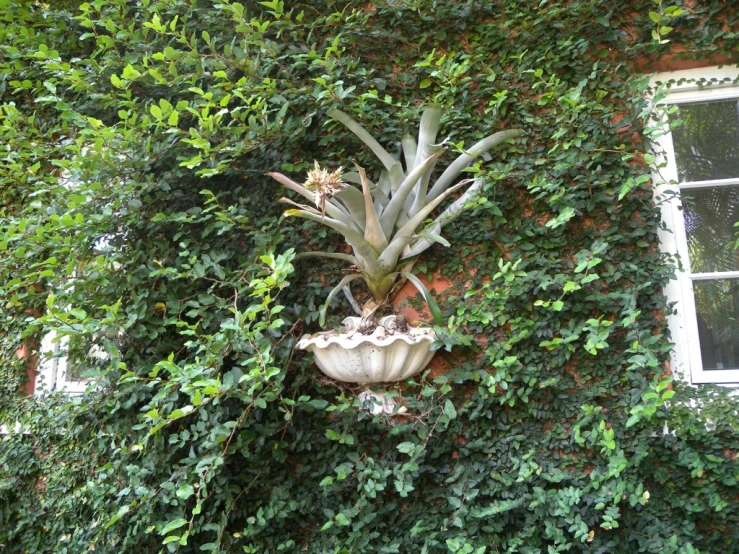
[[135, 219]]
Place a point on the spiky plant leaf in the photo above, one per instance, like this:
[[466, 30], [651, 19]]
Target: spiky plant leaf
[[377, 193], [372, 230], [365, 254], [354, 202], [464, 160], [344, 282], [342, 215], [331, 207], [389, 257], [390, 214], [417, 198], [427, 131], [283, 200], [333, 255], [409, 146], [396, 175], [352, 302], [432, 237], [446, 217], [416, 282], [384, 184], [382, 154]]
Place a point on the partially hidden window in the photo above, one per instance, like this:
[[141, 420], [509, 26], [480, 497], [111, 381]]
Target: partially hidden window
[[699, 195], [55, 372]]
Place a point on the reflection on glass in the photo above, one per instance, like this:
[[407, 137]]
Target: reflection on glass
[[710, 214], [717, 306], [707, 143]]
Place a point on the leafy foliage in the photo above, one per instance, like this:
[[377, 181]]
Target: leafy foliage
[[136, 218]]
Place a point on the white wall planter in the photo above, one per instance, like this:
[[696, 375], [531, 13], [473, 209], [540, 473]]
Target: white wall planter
[[390, 353]]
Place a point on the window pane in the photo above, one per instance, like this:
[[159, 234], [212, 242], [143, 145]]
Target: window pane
[[74, 372], [717, 306], [710, 214], [707, 143]]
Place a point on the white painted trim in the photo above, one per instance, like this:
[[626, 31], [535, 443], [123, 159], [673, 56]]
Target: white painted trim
[[704, 95], [716, 376], [714, 275], [694, 85], [17, 429], [53, 374], [701, 83], [692, 185]]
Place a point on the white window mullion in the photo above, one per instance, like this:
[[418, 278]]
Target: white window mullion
[[689, 185], [54, 373], [713, 275]]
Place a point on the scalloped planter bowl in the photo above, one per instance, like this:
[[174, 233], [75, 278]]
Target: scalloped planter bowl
[[386, 355]]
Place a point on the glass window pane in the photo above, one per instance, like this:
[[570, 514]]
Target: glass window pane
[[709, 215], [717, 306], [707, 143], [74, 372]]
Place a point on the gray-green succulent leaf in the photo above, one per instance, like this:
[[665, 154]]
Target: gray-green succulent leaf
[[332, 255], [386, 223], [383, 155], [464, 160], [373, 232], [378, 193], [338, 288], [393, 209], [447, 216]]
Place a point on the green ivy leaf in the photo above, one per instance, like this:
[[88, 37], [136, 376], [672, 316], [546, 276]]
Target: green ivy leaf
[[172, 525]]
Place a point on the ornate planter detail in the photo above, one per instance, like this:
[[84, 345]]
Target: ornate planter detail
[[390, 352], [386, 355]]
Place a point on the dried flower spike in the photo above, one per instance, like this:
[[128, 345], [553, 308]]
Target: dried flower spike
[[324, 184]]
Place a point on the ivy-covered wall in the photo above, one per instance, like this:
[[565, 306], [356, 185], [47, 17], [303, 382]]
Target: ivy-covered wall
[[135, 215]]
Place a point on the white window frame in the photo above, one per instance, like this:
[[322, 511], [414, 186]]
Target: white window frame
[[693, 85], [53, 373]]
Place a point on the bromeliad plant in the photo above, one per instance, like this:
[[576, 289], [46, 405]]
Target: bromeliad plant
[[384, 222]]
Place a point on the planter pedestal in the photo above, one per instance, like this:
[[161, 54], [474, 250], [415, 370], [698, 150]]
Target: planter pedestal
[[378, 402], [389, 353]]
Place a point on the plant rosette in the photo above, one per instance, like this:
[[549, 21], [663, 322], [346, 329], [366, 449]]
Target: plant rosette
[[385, 225], [389, 351]]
